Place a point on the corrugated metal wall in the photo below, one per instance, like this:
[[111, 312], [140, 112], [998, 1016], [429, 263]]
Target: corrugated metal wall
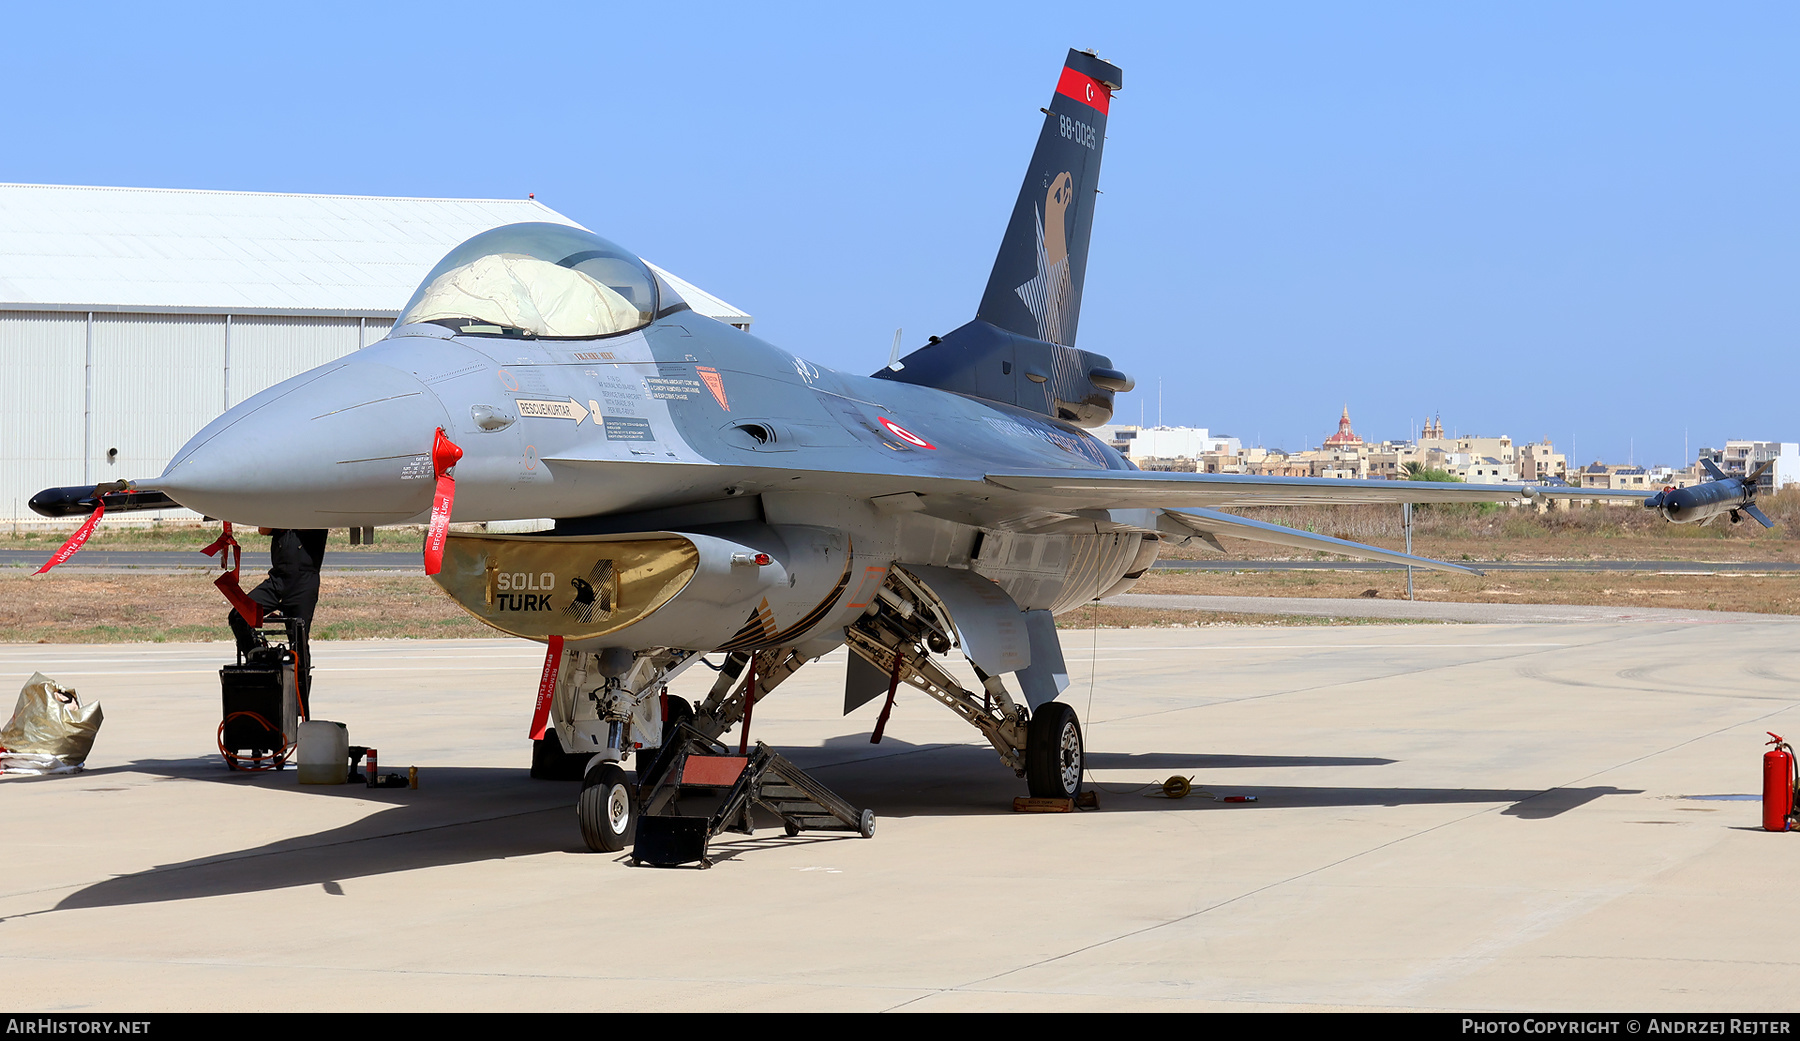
[[155, 380], [41, 417], [374, 329], [268, 349]]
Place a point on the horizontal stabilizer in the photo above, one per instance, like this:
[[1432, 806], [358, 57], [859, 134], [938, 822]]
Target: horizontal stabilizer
[[1758, 515], [1212, 522]]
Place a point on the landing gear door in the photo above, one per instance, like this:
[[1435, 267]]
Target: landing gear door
[[992, 628], [863, 683], [1047, 677]]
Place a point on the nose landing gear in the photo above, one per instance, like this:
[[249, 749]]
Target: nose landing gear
[[607, 809]]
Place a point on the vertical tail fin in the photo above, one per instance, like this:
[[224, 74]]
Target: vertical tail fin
[[1019, 349], [1035, 288]]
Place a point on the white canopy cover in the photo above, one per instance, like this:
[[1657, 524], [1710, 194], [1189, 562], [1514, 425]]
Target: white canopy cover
[[535, 296]]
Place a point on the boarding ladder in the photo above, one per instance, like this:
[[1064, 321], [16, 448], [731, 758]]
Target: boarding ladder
[[763, 777]]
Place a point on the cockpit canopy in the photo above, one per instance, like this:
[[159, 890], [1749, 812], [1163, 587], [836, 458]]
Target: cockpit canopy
[[536, 280]]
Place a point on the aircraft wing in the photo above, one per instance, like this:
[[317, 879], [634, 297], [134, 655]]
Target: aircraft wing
[[1209, 524], [1187, 498], [1137, 489]]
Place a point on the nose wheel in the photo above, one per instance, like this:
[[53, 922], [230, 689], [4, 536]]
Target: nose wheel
[[1053, 752], [607, 809]]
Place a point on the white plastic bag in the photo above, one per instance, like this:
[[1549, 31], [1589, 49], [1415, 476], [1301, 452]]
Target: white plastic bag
[[32, 764]]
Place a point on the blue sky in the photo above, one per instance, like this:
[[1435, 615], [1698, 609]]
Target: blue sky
[[1573, 220]]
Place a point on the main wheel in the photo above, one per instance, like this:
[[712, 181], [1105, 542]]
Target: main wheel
[[607, 809], [1053, 764], [680, 711]]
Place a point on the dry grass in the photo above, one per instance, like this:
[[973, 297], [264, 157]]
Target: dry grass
[[1113, 616], [1729, 591], [129, 608], [186, 535]]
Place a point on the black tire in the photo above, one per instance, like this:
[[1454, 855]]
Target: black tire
[[680, 711], [1053, 753], [607, 809], [550, 763]]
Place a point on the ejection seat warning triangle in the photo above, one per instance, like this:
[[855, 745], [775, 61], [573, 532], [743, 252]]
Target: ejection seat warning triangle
[[715, 383]]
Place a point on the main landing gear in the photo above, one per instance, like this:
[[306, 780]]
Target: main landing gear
[[1043, 745], [1053, 761]]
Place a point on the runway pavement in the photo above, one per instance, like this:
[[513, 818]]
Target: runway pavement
[[1533, 817]]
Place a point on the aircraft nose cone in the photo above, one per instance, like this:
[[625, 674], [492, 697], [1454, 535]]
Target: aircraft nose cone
[[339, 447]]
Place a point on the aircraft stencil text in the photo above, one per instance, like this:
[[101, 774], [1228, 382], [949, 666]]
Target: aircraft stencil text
[[1077, 131]]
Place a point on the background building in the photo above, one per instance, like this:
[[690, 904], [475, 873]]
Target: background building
[[131, 317], [1738, 458], [1163, 447], [1540, 461]]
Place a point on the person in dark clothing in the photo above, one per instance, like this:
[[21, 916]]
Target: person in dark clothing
[[293, 583]]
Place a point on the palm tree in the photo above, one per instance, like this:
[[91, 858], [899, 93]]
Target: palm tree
[[1421, 472]]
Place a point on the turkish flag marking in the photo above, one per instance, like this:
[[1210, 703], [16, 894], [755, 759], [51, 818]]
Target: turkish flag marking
[[540, 717], [1085, 89], [76, 541], [444, 455], [904, 434]]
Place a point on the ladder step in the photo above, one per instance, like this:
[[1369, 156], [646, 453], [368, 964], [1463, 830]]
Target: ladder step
[[823, 824], [796, 806], [762, 777]]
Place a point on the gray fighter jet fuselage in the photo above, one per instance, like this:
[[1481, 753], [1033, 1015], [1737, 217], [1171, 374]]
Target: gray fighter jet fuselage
[[704, 492], [686, 423]]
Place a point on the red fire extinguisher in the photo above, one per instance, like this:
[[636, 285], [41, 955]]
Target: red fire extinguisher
[[1780, 775]]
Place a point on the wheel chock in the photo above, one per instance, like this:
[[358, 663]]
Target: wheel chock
[[1088, 800]]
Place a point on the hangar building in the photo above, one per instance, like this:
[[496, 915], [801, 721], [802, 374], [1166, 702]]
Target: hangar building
[[131, 317]]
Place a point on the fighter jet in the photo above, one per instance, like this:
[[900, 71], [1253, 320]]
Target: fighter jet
[[713, 496]]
